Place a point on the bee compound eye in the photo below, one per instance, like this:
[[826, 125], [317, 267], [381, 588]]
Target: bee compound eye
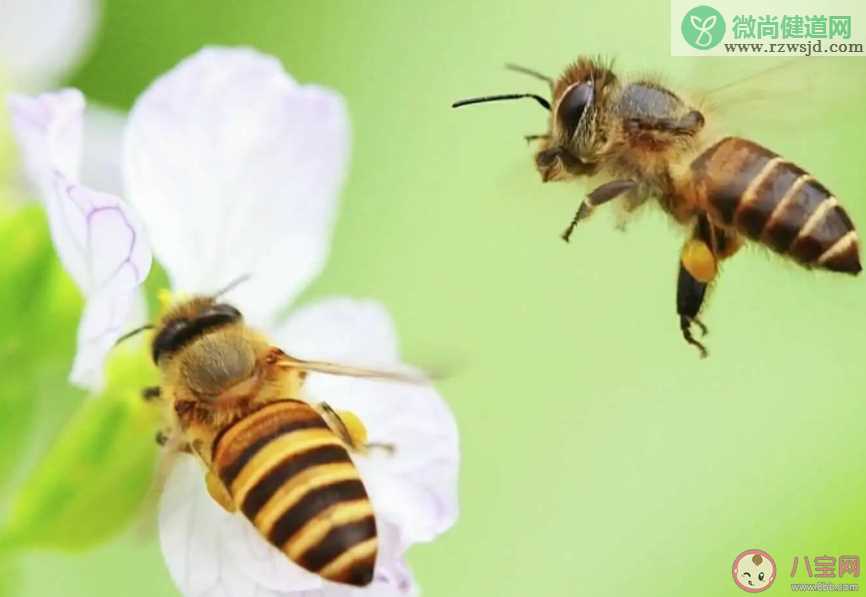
[[225, 311], [573, 105]]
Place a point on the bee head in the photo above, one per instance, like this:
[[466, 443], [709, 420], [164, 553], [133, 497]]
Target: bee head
[[577, 132], [189, 320]]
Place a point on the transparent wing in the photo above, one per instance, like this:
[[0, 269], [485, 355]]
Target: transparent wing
[[754, 94]]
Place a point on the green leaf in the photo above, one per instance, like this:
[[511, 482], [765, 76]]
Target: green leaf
[[39, 310], [92, 481]]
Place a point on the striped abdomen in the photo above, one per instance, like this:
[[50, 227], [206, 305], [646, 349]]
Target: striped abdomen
[[294, 480], [769, 200]]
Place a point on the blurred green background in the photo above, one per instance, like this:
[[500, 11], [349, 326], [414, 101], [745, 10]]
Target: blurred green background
[[600, 455]]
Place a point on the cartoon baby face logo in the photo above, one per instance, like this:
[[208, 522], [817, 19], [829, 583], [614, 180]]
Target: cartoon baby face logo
[[754, 570]]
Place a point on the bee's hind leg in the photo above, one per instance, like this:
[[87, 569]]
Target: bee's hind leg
[[698, 268], [349, 428], [599, 195], [690, 297]]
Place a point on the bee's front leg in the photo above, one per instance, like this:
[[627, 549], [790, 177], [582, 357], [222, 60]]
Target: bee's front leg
[[151, 394], [599, 195], [171, 439]]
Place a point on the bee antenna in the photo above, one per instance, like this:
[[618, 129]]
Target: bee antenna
[[495, 98], [232, 285], [528, 71], [134, 332]]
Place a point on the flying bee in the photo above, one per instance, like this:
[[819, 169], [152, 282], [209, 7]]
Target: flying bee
[[644, 141], [234, 400]]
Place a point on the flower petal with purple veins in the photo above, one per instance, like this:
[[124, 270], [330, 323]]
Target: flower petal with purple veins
[[235, 168], [102, 244], [48, 129], [99, 238]]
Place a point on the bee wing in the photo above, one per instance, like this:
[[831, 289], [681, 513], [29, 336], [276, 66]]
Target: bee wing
[[408, 376], [790, 92]]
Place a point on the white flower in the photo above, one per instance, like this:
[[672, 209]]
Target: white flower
[[42, 39], [99, 238], [40, 42], [235, 169]]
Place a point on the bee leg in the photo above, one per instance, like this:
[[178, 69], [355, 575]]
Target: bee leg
[[599, 195], [171, 438], [698, 267], [219, 493], [348, 426], [387, 448], [151, 393], [531, 138], [161, 437], [690, 296]]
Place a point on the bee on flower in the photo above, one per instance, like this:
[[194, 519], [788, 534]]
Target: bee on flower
[[233, 169]]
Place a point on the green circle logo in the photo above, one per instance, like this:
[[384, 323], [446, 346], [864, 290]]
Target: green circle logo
[[703, 27]]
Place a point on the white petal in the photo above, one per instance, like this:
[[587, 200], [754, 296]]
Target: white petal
[[103, 148], [235, 169], [48, 129], [101, 243], [415, 487], [342, 330], [41, 39], [98, 238], [104, 320]]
